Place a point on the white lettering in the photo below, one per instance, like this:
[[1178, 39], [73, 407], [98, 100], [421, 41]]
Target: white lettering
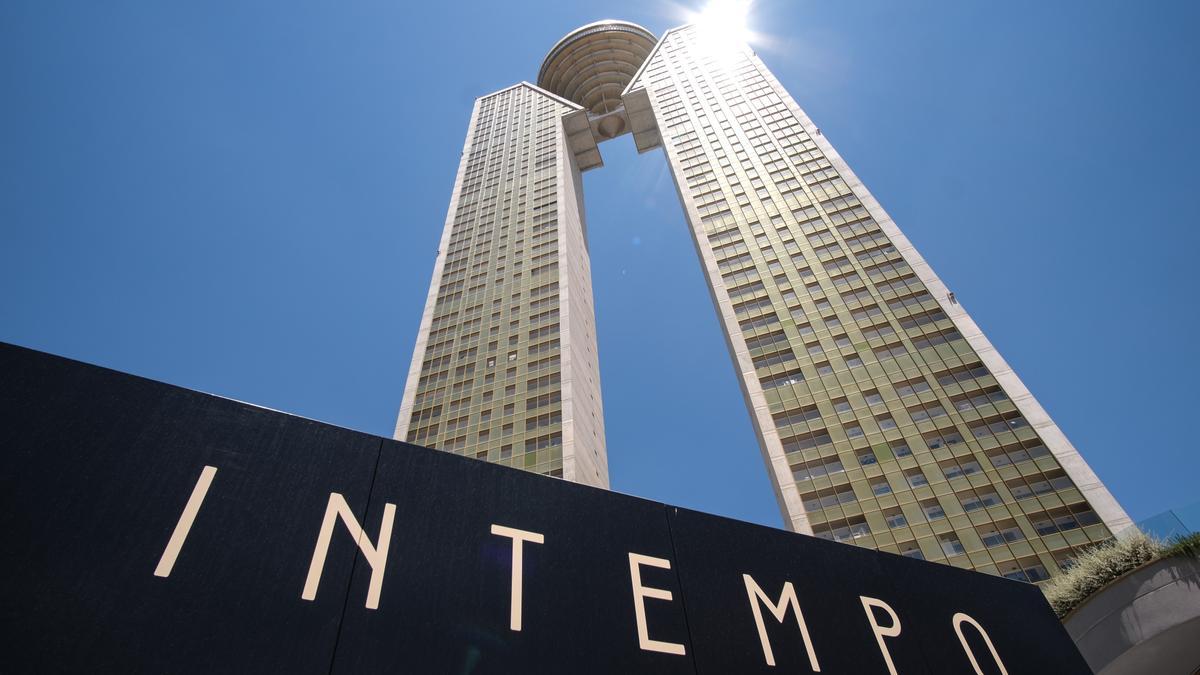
[[640, 593], [881, 631], [376, 555], [175, 544], [958, 621], [519, 537], [779, 611]]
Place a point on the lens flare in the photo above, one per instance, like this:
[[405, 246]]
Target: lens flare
[[723, 28], [726, 21]]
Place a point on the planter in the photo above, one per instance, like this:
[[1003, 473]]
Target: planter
[[1147, 621]]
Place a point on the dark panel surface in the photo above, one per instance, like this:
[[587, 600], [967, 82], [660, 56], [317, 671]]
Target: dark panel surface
[[829, 580], [1025, 633], [446, 597], [98, 466]]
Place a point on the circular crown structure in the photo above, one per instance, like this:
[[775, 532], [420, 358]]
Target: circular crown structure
[[593, 64]]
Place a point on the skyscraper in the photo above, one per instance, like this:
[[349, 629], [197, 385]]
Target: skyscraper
[[884, 415]]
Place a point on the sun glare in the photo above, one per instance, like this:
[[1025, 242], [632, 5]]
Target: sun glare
[[725, 22]]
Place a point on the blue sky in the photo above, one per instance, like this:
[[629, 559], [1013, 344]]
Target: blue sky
[[245, 198]]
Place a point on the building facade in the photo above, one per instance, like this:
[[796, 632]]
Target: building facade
[[884, 415]]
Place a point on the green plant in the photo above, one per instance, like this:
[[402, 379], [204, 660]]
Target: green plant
[[1098, 567], [1103, 564], [1188, 545]]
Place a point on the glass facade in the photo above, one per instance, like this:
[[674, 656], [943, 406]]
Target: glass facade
[[508, 370], [885, 417]]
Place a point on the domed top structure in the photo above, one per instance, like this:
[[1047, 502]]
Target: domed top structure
[[593, 64]]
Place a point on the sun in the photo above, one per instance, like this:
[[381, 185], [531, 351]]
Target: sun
[[726, 21]]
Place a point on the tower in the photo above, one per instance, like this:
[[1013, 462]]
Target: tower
[[884, 415]]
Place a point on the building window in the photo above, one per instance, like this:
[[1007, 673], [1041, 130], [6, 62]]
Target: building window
[[962, 374], [1012, 454], [793, 376], [1030, 486], [1065, 558], [951, 544], [1063, 519], [999, 533], [971, 500], [943, 439], [936, 338], [1026, 569], [890, 351], [995, 425], [910, 387], [807, 441], [983, 401], [843, 530], [952, 470], [828, 498], [920, 413], [932, 509], [817, 468], [798, 416]]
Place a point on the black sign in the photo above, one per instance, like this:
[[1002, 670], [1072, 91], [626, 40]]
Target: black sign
[[153, 529]]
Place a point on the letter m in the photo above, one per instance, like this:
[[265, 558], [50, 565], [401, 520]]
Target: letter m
[[778, 610]]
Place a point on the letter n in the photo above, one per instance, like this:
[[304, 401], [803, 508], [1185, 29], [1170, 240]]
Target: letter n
[[376, 555]]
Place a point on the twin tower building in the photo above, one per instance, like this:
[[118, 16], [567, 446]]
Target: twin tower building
[[885, 417]]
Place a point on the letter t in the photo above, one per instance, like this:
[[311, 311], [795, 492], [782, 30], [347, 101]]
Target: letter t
[[519, 537]]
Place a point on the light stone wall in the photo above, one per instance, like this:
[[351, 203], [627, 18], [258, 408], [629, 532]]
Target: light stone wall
[[584, 457]]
